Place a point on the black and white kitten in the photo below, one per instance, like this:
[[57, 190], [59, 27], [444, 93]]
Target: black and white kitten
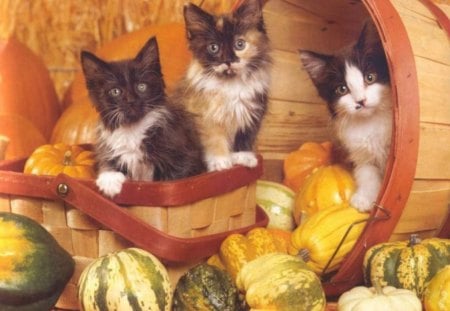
[[226, 85], [141, 134], [355, 84]]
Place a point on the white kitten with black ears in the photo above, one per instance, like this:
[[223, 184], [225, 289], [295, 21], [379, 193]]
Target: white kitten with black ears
[[355, 85]]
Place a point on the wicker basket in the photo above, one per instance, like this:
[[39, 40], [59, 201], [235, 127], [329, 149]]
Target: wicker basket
[[181, 222], [416, 191]]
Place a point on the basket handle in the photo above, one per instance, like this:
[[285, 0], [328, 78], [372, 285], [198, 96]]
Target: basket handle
[[166, 247]]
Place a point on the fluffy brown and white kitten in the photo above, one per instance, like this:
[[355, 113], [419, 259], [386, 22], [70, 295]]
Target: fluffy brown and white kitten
[[227, 82], [141, 134], [355, 84]]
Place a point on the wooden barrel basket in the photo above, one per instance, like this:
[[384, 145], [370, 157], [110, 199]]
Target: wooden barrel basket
[[415, 35]]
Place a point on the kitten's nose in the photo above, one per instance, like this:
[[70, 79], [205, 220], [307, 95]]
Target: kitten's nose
[[360, 104]]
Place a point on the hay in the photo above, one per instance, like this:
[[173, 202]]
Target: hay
[[58, 30]]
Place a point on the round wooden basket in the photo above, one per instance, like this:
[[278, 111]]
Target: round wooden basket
[[416, 191]]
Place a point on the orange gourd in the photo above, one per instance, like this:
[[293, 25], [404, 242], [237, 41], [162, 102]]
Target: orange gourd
[[76, 125], [300, 163], [23, 136], [26, 88], [52, 160]]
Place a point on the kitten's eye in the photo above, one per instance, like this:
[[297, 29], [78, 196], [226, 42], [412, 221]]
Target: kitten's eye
[[240, 44], [370, 78], [213, 48], [115, 92], [341, 90], [141, 87]]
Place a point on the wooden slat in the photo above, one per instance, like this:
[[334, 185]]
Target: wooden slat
[[434, 152], [427, 207]]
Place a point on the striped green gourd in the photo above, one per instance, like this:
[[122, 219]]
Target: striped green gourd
[[406, 264], [128, 280]]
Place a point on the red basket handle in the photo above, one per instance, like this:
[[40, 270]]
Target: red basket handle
[[166, 247]]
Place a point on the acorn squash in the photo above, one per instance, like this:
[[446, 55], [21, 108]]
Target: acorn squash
[[34, 268], [207, 288], [130, 279], [406, 264], [280, 282]]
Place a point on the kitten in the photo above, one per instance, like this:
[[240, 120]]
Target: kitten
[[355, 85], [226, 84], [141, 134]]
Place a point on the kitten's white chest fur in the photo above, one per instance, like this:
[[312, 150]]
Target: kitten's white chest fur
[[125, 144]]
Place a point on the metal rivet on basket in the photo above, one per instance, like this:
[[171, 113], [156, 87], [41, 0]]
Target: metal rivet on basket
[[62, 190]]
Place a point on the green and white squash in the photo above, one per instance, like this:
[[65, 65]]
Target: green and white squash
[[280, 282], [278, 201], [34, 268], [207, 288], [128, 280], [406, 264]]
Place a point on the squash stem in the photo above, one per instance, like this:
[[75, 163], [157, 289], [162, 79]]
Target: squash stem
[[414, 240], [67, 158], [304, 254], [378, 288]]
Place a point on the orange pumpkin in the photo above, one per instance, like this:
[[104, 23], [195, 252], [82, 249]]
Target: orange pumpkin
[[72, 160], [23, 136], [74, 128], [300, 163], [26, 88]]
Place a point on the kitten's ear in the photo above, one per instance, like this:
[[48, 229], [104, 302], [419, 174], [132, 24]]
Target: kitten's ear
[[249, 12], [314, 63], [148, 56], [92, 65], [369, 37], [196, 20]]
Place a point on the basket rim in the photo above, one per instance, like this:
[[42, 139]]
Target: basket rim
[[152, 194]]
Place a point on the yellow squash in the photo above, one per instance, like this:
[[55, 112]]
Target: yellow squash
[[437, 293], [319, 236], [327, 186]]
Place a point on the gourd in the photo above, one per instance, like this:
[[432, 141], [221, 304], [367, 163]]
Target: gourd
[[318, 239], [280, 282], [388, 298], [300, 163], [205, 287], [437, 293], [130, 279], [327, 186], [406, 264], [22, 135], [26, 89], [34, 267], [77, 124], [238, 249], [277, 201], [61, 158]]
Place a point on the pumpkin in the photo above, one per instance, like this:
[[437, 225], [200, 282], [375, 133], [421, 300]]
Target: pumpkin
[[317, 239], [238, 249], [388, 298], [77, 128], [61, 158], [26, 88], [23, 136], [280, 282], [406, 264], [437, 293], [130, 279], [326, 186], [277, 201], [34, 268], [300, 163], [205, 287]]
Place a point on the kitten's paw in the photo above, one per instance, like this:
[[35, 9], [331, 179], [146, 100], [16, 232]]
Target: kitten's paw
[[361, 202], [110, 183], [218, 163], [245, 158]]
